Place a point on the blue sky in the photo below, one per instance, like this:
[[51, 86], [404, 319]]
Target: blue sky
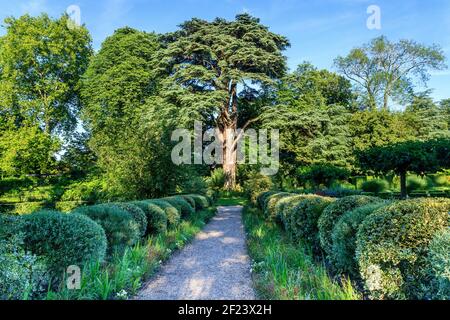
[[319, 30]]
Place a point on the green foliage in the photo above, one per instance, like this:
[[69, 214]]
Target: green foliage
[[262, 197], [256, 184], [344, 238], [270, 205], [375, 186], [216, 181], [90, 191], [23, 208], [67, 206], [284, 207], [302, 220], [137, 214], [42, 61], [416, 183], [392, 247], [322, 174], [386, 70], [120, 227], [181, 204], [172, 213], [62, 240], [189, 199], [156, 217], [333, 212], [438, 262], [201, 202]]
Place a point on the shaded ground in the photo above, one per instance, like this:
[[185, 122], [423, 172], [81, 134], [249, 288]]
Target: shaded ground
[[215, 266]]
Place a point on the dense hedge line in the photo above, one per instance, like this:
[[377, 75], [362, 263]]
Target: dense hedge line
[[38, 247], [395, 249]]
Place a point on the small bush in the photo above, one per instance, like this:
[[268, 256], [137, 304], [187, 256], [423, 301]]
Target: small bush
[[256, 184], [181, 204], [375, 186], [416, 183], [201, 202], [172, 213], [303, 220], [270, 205], [284, 208], [189, 199], [137, 214], [120, 227], [88, 191], [344, 238], [156, 217], [63, 240], [392, 245], [333, 212], [438, 263], [261, 199]]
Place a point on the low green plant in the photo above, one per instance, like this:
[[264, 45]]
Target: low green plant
[[270, 205], [375, 186], [156, 217], [181, 204], [62, 240], [256, 184], [201, 202], [416, 183], [392, 245], [190, 200], [172, 213], [344, 238], [120, 227], [333, 212], [438, 262], [138, 215]]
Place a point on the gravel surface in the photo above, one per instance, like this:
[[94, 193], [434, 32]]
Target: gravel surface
[[215, 266]]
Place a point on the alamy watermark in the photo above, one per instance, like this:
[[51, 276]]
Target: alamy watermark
[[228, 147], [374, 20]]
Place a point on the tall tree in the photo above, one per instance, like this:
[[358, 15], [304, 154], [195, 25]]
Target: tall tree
[[41, 63], [386, 70], [211, 62]]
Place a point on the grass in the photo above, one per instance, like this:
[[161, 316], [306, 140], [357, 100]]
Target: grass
[[123, 276], [232, 201], [283, 270]]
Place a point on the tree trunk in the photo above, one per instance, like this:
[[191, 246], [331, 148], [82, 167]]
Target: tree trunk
[[229, 158], [404, 193]]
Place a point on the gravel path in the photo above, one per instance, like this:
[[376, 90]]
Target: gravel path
[[215, 266]]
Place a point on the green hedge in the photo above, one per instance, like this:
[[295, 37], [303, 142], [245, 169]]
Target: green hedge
[[189, 199], [120, 227], [156, 217], [303, 220], [201, 202], [392, 247], [63, 239], [172, 213], [438, 263], [333, 212], [181, 204], [271, 203], [138, 215], [344, 238]]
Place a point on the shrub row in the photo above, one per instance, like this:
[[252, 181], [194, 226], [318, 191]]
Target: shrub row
[[89, 233], [397, 250]]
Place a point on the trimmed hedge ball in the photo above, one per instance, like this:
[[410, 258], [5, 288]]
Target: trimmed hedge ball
[[138, 215], [392, 247], [120, 227], [270, 205], [156, 217], [438, 263], [284, 208], [201, 202], [333, 212], [303, 220], [181, 204], [63, 239], [190, 200], [172, 213], [344, 238], [261, 198]]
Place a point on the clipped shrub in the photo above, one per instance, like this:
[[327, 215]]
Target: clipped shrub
[[156, 217], [261, 198], [284, 208], [256, 184], [172, 213], [181, 204], [120, 227], [375, 186], [392, 245], [416, 183], [438, 263], [63, 240], [344, 238], [189, 199], [333, 212], [270, 205], [201, 202], [137, 214], [303, 219]]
